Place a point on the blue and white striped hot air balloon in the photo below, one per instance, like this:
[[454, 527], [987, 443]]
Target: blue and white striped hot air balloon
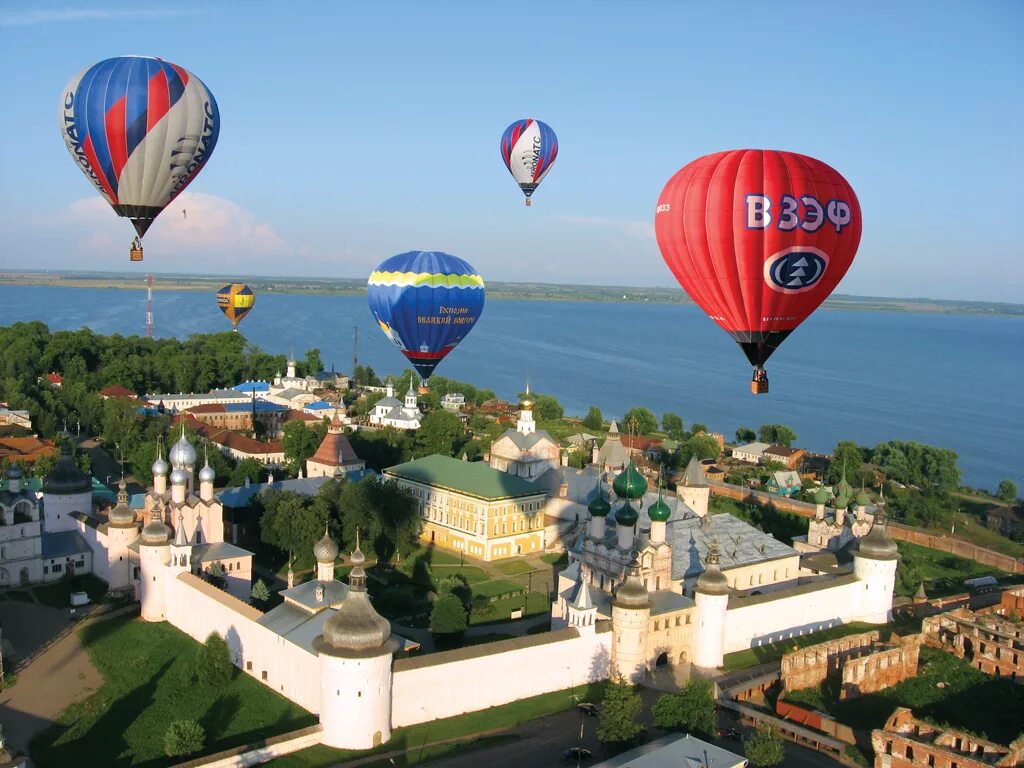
[[425, 302]]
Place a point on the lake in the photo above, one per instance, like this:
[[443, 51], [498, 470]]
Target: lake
[[951, 381]]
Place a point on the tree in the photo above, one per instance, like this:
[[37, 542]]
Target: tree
[[764, 748], [260, 593], [300, 442], [289, 522], [696, 428], [247, 469], [547, 408], [847, 457], [364, 376], [184, 737], [1007, 491], [448, 619], [620, 712], [745, 435], [215, 575], [215, 667], [594, 419], [918, 464], [386, 515], [776, 434], [312, 365], [640, 420], [672, 424], [703, 447], [692, 709], [440, 432]]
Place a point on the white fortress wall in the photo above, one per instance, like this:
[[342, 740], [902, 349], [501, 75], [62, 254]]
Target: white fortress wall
[[777, 616], [470, 679], [198, 608]]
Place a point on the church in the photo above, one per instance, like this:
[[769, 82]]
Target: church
[[525, 451], [390, 412]]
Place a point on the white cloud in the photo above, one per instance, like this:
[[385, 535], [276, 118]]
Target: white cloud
[[62, 15], [636, 230], [195, 221]]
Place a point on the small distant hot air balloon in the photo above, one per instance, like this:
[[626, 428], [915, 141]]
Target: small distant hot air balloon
[[529, 148], [425, 302], [758, 239], [140, 129], [235, 301]]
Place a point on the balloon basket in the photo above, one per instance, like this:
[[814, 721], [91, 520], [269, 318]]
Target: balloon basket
[[528, 203], [424, 390], [135, 254], [759, 387]]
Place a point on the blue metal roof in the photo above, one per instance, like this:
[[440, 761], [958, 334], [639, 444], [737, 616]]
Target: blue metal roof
[[319, 405], [262, 406], [253, 386], [242, 496]]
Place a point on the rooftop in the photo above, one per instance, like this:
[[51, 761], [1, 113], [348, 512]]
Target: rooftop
[[675, 751], [244, 444], [470, 478], [335, 451], [752, 448], [739, 543], [63, 544], [242, 495]]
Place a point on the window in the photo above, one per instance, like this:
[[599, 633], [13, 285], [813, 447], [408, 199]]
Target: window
[[248, 666], [263, 675]]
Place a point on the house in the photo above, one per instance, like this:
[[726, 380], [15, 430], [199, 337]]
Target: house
[[787, 457], [785, 482], [25, 450], [14, 418], [751, 453], [1009, 521], [55, 380], [453, 401], [240, 447], [117, 392]]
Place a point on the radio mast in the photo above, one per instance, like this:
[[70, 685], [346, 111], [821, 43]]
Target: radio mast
[[149, 306], [355, 350]]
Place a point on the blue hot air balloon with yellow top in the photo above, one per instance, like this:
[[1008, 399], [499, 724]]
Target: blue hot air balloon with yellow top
[[425, 302]]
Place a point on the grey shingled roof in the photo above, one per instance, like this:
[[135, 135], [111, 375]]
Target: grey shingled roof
[[206, 553], [63, 544], [526, 442], [739, 544]]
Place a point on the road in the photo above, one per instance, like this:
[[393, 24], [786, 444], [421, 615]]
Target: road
[[540, 744]]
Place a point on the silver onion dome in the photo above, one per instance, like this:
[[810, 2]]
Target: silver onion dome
[[160, 467], [182, 453], [179, 477], [206, 474], [325, 550]]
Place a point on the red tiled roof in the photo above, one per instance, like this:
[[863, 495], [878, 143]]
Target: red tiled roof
[[25, 448], [640, 443], [117, 391], [54, 378], [335, 451], [294, 415], [207, 408], [245, 444]]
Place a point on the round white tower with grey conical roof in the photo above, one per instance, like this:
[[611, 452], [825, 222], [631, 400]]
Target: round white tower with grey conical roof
[[631, 611], [122, 529], [154, 555], [874, 563], [711, 594], [355, 652]]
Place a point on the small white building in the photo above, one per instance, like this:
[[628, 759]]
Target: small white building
[[453, 401], [751, 452], [389, 412]]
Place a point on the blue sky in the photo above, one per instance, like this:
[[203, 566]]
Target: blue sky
[[355, 131]]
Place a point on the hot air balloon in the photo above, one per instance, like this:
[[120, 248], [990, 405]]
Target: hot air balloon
[[758, 239], [425, 302], [529, 147], [140, 129], [235, 301]]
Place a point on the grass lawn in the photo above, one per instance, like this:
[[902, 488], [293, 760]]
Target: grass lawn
[[502, 609], [434, 556], [413, 737], [472, 574], [513, 567], [560, 559], [750, 657], [970, 699], [496, 587], [149, 681], [942, 573], [58, 594]]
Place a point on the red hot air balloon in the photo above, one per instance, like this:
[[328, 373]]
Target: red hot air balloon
[[758, 239]]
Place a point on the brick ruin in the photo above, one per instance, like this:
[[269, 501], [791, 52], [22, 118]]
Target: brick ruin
[[992, 641], [906, 742], [863, 663]]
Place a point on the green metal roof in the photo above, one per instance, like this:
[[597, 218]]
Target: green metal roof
[[471, 478]]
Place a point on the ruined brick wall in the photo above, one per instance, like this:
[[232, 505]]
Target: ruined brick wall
[[880, 670], [1012, 603], [985, 641], [906, 742], [811, 666]]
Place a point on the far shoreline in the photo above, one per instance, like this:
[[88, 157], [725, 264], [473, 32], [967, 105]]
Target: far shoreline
[[496, 291]]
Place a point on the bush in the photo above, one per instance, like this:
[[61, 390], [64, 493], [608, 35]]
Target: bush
[[215, 667], [692, 709], [184, 737], [620, 712], [764, 748], [260, 593], [448, 616]]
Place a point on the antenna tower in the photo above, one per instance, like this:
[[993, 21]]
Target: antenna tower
[[355, 350], [149, 306]]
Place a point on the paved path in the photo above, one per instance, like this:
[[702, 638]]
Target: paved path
[[58, 676]]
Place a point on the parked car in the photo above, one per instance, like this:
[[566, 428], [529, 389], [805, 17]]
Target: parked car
[[577, 754], [588, 709], [730, 733]]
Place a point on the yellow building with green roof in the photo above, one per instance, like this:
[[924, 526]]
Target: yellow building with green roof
[[471, 508]]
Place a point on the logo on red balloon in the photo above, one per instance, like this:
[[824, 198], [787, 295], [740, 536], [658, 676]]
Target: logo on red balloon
[[796, 269]]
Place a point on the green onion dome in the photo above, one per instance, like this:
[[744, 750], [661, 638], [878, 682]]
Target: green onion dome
[[822, 496], [842, 501], [863, 500], [630, 483], [627, 515], [844, 488], [599, 507], [659, 511]]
